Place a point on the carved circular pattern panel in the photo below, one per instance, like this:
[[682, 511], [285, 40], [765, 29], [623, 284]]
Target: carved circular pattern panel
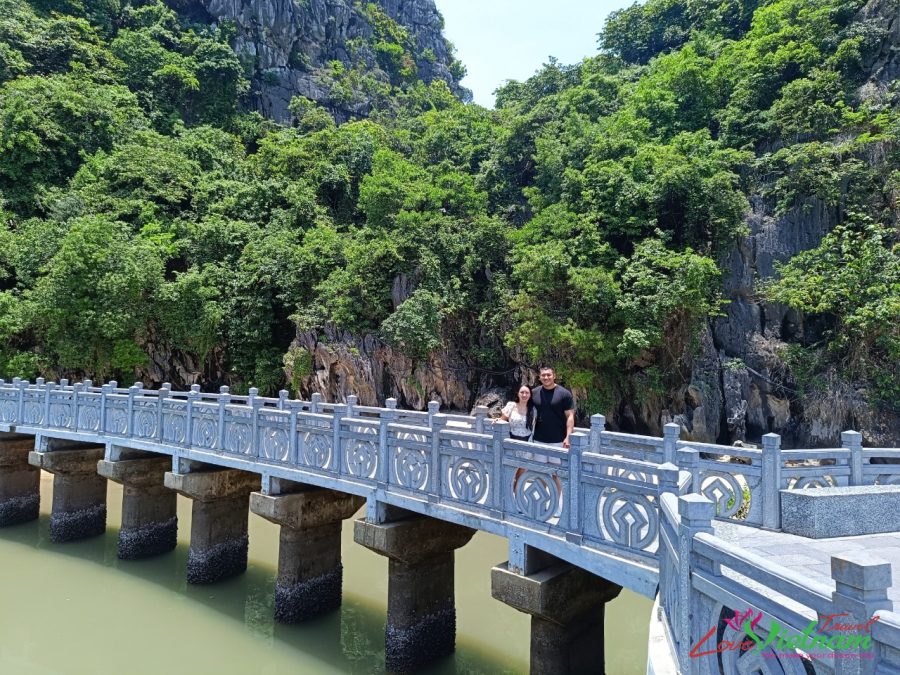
[[61, 415], [467, 479], [145, 424], [237, 437], [34, 413], [8, 411], [316, 450], [724, 491], [275, 444], [630, 519], [205, 432], [89, 418], [116, 421], [362, 457], [174, 429], [412, 468], [537, 496]]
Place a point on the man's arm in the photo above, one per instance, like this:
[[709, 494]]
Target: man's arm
[[570, 426]]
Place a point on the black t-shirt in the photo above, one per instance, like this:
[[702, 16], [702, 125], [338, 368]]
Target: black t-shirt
[[551, 405]]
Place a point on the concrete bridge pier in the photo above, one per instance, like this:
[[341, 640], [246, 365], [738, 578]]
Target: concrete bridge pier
[[20, 483], [218, 518], [310, 573], [421, 613], [79, 494], [149, 520], [566, 605]]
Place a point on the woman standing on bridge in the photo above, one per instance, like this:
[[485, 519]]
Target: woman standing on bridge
[[520, 414]]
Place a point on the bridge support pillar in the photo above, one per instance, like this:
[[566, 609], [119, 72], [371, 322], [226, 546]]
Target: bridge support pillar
[[79, 494], [149, 520], [421, 620], [566, 605], [218, 520], [20, 483], [310, 573]]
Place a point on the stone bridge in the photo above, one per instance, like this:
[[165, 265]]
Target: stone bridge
[[660, 516]]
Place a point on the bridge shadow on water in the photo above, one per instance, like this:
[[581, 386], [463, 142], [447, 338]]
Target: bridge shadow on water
[[349, 640]]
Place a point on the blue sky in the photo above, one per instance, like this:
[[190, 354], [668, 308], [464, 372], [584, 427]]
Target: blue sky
[[501, 40]]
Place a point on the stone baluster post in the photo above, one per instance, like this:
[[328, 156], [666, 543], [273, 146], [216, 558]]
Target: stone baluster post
[[578, 443], [598, 424], [388, 416], [696, 513], [771, 481], [438, 424], [668, 478], [688, 459], [671, 432], [481, 413], [500, 432], [852, 440], [861, 584], [433, 409], [352, 400]]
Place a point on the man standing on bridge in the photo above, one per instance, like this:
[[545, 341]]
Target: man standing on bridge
[[555, 410]]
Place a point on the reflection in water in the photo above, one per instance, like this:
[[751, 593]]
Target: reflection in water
[[76, 609]]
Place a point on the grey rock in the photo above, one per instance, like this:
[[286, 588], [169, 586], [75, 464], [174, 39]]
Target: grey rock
[[290, 44]]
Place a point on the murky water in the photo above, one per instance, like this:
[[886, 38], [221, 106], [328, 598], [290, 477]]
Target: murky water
[[75, 609]]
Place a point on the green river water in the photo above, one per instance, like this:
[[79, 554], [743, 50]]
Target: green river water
[[75, 609]]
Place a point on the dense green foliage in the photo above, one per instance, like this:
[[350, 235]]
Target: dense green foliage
[[147, 215]]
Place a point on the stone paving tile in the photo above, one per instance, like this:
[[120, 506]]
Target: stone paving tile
[[889, 553], [811, 556], [795, 561], [821, 570], [837, 545], [792, 549]]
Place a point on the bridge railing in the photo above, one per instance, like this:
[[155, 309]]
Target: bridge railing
[[743, 482], [710, 589], [594, 500]]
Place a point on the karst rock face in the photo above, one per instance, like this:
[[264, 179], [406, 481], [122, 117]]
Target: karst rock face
[[289, 46]]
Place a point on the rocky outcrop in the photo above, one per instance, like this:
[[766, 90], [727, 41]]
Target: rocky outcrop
[[343, 363], [881, 19], [289, 46]]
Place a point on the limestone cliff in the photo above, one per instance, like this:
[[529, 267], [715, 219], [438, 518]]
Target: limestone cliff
[[313, 48], [738, 387]]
